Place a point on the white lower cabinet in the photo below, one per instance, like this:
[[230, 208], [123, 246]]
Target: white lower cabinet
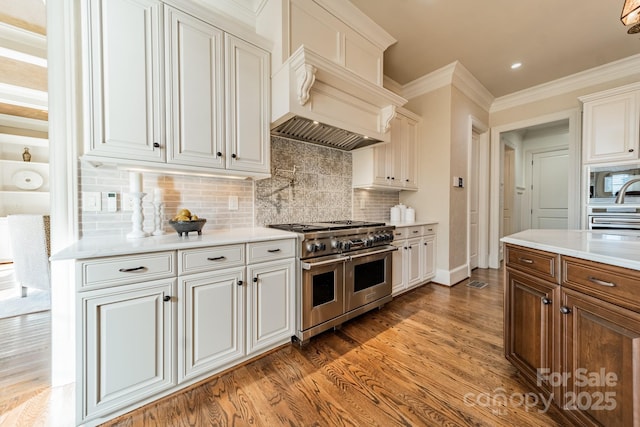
[[414, 261], [210, 321], [127, 345], [192, 313], [270, 304]]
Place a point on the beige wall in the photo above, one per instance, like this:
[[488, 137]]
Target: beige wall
[[463, 109], [431, 201]]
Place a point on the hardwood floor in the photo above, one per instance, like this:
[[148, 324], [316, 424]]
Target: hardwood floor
[[431, 357]]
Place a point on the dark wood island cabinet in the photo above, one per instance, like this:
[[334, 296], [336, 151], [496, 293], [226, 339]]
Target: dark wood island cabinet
[[572, 329]]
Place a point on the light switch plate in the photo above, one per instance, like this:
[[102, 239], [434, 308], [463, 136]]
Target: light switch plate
[[125, 202], [91, 201]]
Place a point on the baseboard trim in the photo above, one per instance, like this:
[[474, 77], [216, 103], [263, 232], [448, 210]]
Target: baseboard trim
[[451, 277]]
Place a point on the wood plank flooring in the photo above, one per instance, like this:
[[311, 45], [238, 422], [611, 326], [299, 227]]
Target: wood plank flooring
[[431, 357]]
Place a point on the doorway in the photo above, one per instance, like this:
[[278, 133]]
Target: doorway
[[545, 134]]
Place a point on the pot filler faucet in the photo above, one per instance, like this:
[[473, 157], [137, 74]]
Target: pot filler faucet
[[623, 190]]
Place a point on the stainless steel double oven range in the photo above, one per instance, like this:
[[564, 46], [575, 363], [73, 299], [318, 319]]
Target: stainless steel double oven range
[[344, 270]]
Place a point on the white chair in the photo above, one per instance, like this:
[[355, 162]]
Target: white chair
[[30, 245]]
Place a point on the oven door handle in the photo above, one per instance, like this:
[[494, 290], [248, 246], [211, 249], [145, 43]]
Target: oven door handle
[[381, 251], [309, 265]]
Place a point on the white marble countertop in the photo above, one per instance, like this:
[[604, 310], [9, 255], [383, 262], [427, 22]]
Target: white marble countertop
[[621, 248], [109, 246]]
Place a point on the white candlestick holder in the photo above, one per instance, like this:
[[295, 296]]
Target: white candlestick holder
[[137, 218], [157, 219]]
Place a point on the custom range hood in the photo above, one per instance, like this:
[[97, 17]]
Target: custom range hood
[[326, 82]]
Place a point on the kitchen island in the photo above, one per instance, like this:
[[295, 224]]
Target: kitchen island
[[572, 320], [157, 314]]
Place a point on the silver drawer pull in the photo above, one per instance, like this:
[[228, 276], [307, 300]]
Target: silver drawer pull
[[601, 282], [526, 260], [130, 270], [273, 250], [217, 258]]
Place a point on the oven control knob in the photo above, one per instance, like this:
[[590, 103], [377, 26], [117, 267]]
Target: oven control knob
[[311, 247], [336, 244], [346, 245], [320, 246]]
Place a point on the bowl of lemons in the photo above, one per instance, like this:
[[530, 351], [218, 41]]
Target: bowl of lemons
[[185, 222]]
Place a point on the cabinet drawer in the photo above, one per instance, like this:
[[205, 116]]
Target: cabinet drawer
[[617, 285], [270, 250], [407, 232], [539, 263], [210, 258], [122, 270], [429, 229]]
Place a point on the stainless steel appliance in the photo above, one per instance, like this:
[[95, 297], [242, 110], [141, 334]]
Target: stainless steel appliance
[[345, 270], [613, 197]]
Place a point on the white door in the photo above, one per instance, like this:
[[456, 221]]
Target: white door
[[413, 262], [126, 74], [128, 344], [195, 80], [210, 320], [397, 270], [550, 190], [270, 304], [473, 185], [509, 191], [247, 108]]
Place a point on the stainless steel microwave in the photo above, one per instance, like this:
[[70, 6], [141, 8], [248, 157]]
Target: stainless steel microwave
[[606, 181]]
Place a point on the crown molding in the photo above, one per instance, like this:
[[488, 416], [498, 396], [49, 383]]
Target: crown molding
[[470, 86], [429, 82], [358, 21], [454, 74], [614, 70], [242, 10], [392, 85]]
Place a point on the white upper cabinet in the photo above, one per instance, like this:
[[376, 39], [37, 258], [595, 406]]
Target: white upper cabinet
[[195, 91], [151, 64], [124, 79], [611, 130], [247, 106], [393, 165]]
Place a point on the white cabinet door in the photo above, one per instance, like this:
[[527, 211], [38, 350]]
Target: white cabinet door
[[610, 128], [210, 321], [126, 344], [409, 153], [428, 258], [195, 91], [397, 266], [413, 262], [125, 75], [270, 304], [248, 108]]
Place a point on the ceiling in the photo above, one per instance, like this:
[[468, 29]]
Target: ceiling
[[551, 38]]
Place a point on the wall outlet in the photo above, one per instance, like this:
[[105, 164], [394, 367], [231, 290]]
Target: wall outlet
[[458, 182], [125, 202], [233, 203], [91, 201]]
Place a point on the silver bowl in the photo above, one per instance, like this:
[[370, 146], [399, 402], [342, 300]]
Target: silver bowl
[[185, 227]]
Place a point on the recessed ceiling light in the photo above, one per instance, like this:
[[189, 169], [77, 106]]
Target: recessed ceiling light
[[516, 65]]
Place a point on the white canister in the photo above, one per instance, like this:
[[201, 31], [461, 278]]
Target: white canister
[[395, 214], [410, 215], [403, 212]]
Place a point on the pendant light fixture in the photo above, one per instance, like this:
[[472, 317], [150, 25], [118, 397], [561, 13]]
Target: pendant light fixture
[[631, 15]]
